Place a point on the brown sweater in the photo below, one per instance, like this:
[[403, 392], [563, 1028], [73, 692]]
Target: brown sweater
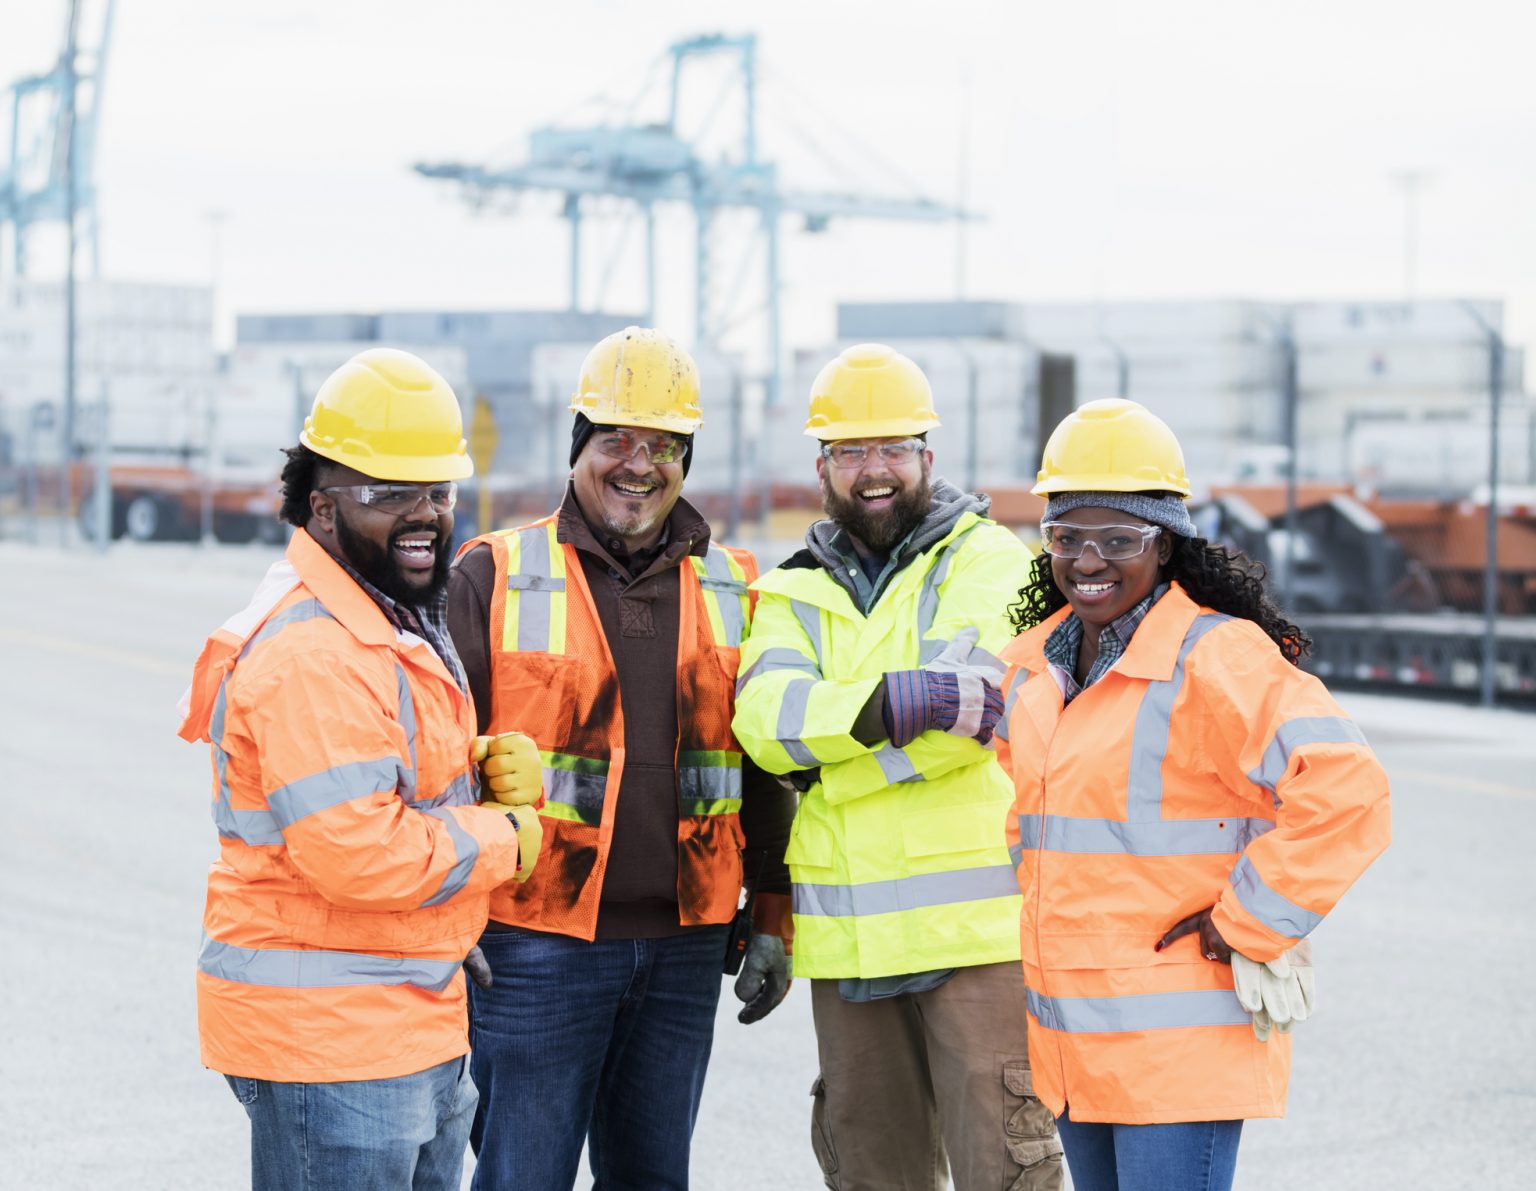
[[637, 599]]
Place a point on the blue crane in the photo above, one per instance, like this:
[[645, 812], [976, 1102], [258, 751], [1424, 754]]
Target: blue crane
[[650, 164], [48, 173]]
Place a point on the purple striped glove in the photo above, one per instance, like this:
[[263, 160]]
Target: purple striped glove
[[919, 700]]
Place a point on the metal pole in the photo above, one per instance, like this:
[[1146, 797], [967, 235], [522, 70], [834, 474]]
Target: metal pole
[[205, 510], [972, 417], [1288, 364], [650, 265], [67, 126], [103, 494], [1491, 530], [573, 213], [733, 507]]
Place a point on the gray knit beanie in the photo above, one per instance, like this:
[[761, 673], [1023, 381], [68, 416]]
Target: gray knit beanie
[[1160, 508]]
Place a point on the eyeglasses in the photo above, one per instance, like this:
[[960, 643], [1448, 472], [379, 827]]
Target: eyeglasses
[[400, 499], [1112, 543], [853, 454], [659, 446]]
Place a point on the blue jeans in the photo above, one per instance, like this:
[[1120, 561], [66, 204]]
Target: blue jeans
[[393, 1134], [603, 1042], [1189, 1156]]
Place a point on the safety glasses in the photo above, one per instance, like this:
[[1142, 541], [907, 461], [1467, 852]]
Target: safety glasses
[[401, 498], [659, 446], [854, 454], [1112, 543]]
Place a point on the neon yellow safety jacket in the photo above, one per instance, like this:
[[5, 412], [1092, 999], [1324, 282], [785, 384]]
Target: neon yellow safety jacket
[[898, 856]]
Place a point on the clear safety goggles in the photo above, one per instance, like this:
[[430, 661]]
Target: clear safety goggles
[[400, 499], [855, 454], [1112, 543], [659, 446]]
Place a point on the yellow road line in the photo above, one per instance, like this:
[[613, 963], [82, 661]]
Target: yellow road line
[[98, 653], [1471, 785]]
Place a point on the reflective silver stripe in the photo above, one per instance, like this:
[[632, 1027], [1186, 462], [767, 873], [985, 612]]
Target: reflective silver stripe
[[406, 786], [1291, 735], [534, 583], [928, 598], [780, 657], [304, 610], [1009, 699], [1139, 1011], [256, 828], [1274, 910], [464, 790], [905, 893], [533, 600], [320, 969], [1149, 741], [331, 787], [729, 592], [792, 722], [581, 791], [708, 783], [1016, 854], [896, 765], [1157, 837], [468, 851], [809, 617]]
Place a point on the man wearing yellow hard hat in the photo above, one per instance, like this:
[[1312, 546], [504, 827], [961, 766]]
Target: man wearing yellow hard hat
[[870, 678], [610, 631], [354, 867]]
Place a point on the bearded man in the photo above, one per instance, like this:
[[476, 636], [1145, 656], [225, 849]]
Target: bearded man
[[869, 678]]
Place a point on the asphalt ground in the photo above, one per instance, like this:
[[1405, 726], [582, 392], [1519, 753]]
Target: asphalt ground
[[1420, 1070]]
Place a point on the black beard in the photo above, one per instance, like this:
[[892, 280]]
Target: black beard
[[879, 530], [380, 568]]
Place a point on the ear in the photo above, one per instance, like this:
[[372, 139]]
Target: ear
[[322, 507], [928, 459], [1164, 548], [821, 466]]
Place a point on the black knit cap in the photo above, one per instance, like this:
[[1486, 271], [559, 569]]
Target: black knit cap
[[583, 428]]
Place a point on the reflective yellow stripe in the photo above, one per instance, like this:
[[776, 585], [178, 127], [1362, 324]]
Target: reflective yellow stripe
[[535, 610], [722, 578]]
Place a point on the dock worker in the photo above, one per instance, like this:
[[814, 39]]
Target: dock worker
[[1189, 805], [355, 868], [610, 630], [870, 677]]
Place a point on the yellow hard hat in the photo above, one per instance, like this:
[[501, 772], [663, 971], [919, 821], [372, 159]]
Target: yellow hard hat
[[870, 391], [639, 377], [1112, 445], [387, 414]]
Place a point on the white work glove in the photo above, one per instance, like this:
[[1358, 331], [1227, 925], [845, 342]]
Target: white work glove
[[975, 718], [1279, 993], [764, 978]]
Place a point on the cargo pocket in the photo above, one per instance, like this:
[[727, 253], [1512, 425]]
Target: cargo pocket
[[821, 1134], [244, 1090], [1031, 1132]]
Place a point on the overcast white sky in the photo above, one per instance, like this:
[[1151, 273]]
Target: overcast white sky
[[1142, 149]]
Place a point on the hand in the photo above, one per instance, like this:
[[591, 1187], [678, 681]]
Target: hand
[[959, 656], [510, 769], [530, 835], [1278, 993], [960, 703], [979, 677], [764, 978], [1212, 945], [478, 968]]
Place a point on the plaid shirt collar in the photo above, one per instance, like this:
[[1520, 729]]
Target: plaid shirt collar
[[1061, 647], [427, 620]]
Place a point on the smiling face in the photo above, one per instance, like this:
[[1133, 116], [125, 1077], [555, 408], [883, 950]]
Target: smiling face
[[630, 498], [405, 555], [1101, 592], [879, 502]]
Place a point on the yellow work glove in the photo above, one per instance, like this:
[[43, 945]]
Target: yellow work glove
[[1279, 993], [530, 835], [510, 769]]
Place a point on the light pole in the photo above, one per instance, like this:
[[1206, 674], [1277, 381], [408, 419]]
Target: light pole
[[1411, 182], [1285, 340], [1491, 522]]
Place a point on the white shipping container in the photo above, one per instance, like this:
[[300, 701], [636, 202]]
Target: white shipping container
[[1432, 319]]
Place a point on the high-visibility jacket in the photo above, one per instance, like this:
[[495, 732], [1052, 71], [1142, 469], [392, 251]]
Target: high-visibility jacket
[[897, 856], [1203, 769], [553, 677], [354, 864]]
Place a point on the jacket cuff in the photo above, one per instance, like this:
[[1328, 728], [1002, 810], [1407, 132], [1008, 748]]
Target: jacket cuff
[[771, 915]]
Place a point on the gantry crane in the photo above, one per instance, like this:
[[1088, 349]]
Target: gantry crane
[[650, 164], [48, 173]]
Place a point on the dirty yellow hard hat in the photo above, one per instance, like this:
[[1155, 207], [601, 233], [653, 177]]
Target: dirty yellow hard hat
[[870, 391], [639, 377], [389, 415], [1112, 445]]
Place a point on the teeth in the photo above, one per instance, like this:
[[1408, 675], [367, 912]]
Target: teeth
[[1094, 588], [876, 493], [635, 489]]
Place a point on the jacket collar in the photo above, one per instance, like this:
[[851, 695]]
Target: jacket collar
[[1152, 653], [334, 588]]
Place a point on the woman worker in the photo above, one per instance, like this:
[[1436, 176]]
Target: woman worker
[[1186, 800]]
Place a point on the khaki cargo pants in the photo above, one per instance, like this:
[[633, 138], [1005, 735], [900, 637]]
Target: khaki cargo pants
[[909, 1080]]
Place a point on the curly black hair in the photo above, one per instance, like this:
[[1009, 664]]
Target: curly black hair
[[299, 480], [1228, 581]]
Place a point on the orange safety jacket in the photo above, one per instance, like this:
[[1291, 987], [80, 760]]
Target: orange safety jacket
[[553, 677], [354, 864], [1203, 769]]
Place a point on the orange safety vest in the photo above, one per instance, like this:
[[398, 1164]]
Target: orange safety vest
[[354, 864], [553, 677], [1203, 769]]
